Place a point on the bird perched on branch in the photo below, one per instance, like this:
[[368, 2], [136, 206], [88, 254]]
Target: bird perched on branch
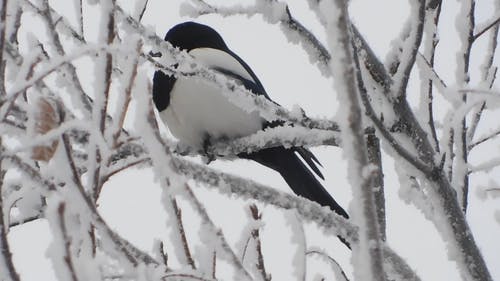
[[196, 112]]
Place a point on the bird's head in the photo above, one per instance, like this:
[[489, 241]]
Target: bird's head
[[191, 35]]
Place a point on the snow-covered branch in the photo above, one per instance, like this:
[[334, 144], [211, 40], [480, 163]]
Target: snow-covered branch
[[8, 271], [368, 253]]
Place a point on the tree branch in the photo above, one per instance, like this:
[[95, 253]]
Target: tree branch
[[368, 253], [5, 253], [230, 255]]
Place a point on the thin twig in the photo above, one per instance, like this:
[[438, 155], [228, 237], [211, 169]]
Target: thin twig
[[17, 24], [54, 36], [102, 109], [436, 77], [488, 27], [30, 172], [69, 155], [337, 269], [485, 138], [463, 77], [406, 65], [80, 18], [257, 217], [67, 242], [111, 33], [370, 112], [128, 96], [22, 221], [5, 253], [164, 255], [431, 52], [3, 31], [231, 256], [488, 76], [141, 14], [369, 250], [182, 233], [184, 276], [106, 177], [132, 255], [214, 264]]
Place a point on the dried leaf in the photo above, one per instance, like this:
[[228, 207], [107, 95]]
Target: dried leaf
[[47, 118]]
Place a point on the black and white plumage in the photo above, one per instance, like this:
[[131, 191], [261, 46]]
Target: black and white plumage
[[195, 111]]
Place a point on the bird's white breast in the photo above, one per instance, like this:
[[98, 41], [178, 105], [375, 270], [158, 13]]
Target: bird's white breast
[[198, 108]]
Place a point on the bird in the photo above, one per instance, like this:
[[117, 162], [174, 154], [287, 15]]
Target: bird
[[197, 113]]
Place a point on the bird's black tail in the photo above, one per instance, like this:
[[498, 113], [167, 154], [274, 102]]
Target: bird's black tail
[[298, 176], [300, 179]]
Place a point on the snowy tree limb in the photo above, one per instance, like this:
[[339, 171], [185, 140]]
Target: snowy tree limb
[[123, 107], [488, 76], [336, 268], [488, 137], [460, 180], [8, 272], [493, 23], [397, 268], [427, 86], [318, 53], [69, 68], [271, 137], [182, 233], [246, 189], [409, 49], [231, 256], [100, 102], [3, 31], [375, 159], [66, 241], [241, 96], [444, 200], [226, 183], [255, 233], [368, 253]]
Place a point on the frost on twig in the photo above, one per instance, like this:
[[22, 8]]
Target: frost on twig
[[368, 253], [8, 270]]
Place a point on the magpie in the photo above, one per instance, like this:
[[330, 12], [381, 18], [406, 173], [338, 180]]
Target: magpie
[[196, 112]]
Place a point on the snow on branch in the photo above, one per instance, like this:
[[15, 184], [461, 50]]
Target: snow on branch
[[368, 254], [238, 94], [407, 55], [273, 11], [7, 269]]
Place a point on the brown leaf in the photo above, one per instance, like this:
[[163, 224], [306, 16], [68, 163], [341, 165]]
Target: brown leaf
[[47, 118]]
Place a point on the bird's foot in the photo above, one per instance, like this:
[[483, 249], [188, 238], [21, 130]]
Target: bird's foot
[[207, 154]]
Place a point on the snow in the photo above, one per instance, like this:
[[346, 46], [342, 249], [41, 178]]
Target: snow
[[299, 240], [348, 115], [272, 11], [172, 168], [462, 25]]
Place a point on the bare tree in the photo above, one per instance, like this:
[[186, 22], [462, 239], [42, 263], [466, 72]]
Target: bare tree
[[62, 140]]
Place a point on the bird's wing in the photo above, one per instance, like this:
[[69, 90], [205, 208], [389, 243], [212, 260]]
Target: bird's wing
[[253, 84], [162, 85]]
